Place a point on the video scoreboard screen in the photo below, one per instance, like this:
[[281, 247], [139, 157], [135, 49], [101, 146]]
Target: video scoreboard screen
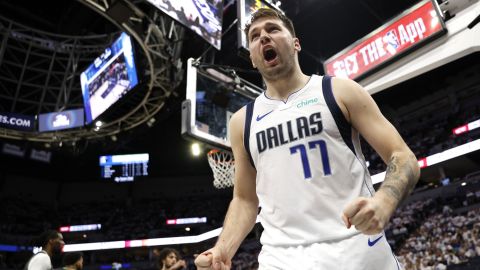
[[124, 168], [201, 16], [110, 77]]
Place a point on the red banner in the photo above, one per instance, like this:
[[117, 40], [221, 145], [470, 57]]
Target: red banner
[[388, 41], [460, 130]]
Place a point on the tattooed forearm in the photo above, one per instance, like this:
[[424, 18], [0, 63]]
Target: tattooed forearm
[[392, 181], [401, 176]]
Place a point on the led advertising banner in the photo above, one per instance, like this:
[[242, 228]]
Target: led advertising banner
[[467, 127], [438, 157], [13, 149], [181, 221], [401, 35], [80, 228], [41, 155], [17, 121], [60, 120]]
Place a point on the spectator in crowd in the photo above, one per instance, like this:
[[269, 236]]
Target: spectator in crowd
[[73, 261], [169, 259], [429, 232], [442, 240]]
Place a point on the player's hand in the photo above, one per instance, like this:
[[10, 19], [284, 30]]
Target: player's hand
[[213, 259], [181, 264], [368, 215]]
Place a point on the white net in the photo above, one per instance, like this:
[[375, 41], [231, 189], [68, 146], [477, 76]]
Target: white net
[[223, 167]]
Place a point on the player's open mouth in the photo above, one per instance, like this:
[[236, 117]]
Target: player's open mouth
[[269, 54]]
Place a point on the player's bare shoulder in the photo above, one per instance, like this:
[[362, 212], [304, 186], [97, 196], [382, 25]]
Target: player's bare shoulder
[[237, 122], [349, 95], [342, 90], [345, 89]]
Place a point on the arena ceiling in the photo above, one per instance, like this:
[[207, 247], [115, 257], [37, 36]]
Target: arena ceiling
[[324, 28]]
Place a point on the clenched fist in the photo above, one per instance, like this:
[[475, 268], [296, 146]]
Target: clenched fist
[[368, 215], [213, 259]]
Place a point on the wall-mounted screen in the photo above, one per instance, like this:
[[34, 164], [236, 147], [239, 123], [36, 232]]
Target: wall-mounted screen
[[124, 168], [204, 17], [60, 120], [109, 78]]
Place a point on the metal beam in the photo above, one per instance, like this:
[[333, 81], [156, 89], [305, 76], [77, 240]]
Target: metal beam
[[3, 46], [20, 80], [160, 50], [66, 74], [47, 80], [372, 11], [72, 77]]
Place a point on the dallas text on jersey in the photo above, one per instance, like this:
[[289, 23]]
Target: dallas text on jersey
[[300, 128]]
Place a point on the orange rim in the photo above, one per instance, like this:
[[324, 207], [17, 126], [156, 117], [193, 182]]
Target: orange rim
[[213, 151]]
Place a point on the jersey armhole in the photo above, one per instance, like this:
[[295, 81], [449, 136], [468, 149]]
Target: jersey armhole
[[246, 130], [343, 126]]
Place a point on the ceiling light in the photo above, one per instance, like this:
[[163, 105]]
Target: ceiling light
[[196, 149], [150, 122]]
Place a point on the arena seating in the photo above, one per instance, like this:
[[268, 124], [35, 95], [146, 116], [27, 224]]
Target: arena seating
[[448, 216]]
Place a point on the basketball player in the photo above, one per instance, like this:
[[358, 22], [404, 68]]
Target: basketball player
[[52, 244], [298, 156]]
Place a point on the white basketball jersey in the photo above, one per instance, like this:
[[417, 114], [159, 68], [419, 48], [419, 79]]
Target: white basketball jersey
[[309, 165]]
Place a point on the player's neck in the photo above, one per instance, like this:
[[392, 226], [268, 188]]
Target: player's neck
[[49, 251], [281, 88]]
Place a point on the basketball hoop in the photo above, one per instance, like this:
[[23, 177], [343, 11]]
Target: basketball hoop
[[223, 167]]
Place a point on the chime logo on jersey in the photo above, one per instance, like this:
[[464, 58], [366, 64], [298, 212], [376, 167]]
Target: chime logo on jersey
[[307, 102], [289, 131]]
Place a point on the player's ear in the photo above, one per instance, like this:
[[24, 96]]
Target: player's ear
[[296, 44], [253, 64]]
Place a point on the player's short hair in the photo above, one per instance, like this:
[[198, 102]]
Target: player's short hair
[[70, 258], [270, 13], [165, 252], [42, 239]]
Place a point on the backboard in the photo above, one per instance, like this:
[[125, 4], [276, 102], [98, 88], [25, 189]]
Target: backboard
[[213, 94]]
